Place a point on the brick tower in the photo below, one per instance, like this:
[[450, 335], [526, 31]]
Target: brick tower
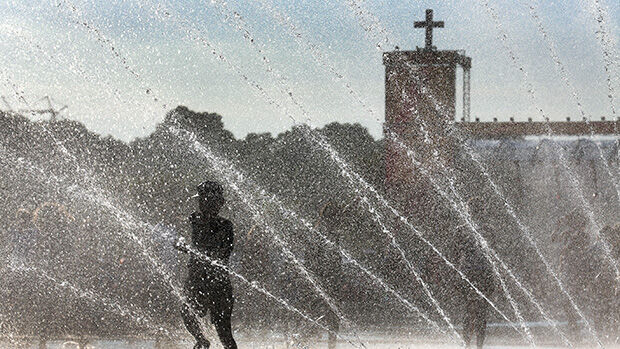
[[420, 100]]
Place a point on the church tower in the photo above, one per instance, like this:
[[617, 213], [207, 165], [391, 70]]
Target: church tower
[[420, 102]]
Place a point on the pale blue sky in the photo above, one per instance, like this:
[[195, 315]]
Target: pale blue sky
[[45, 52]]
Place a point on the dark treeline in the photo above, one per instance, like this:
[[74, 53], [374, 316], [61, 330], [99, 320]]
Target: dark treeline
[[85, 217], [58, 178]]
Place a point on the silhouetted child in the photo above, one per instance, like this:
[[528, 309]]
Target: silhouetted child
[[208, 286]]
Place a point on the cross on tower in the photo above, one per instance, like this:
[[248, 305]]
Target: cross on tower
[[429, 25]]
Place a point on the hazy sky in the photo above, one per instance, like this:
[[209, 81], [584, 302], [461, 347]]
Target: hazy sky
[[109, 60]]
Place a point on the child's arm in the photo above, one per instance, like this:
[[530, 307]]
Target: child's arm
[[181, 245]]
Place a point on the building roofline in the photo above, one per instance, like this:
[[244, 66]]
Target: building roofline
[[521, 129]]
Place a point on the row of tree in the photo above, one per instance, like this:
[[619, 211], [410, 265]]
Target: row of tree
[[88, 224]]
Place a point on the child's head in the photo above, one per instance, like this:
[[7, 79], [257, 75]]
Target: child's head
[[210, 197]]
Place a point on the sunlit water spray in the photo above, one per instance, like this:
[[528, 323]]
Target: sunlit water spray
[[573, 180], [292, 28], [363, 198], [103, 40], [530, 296], [463, 212], [508, 206], [259, 217], [7, 330], [357, 179], [525, 230], [314, 55], [130, 223], [480, 240], [313, 137], [78, 18], [461, 208], [561, 69], [256, 286], [235, 175], [610, 55], [371, 25], [95, 195], [472, 285]]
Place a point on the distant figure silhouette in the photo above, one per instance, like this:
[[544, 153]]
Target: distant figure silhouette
[[578, 267], [474, 264], [208, 287], [478, 270], [327, 264], [607, 287], [614, 237]]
